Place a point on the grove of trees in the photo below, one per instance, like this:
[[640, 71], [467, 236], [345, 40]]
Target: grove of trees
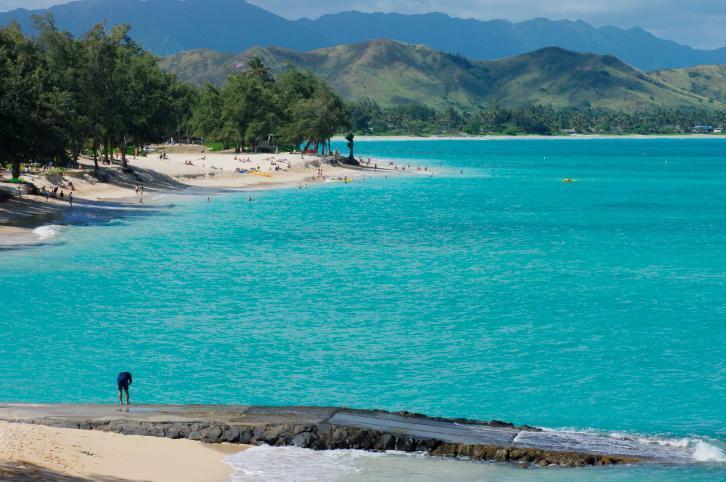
[[369, 117], [62, 96], [297, 108]]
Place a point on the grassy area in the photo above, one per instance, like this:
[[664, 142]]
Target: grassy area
[[708, 81], [214, 146]]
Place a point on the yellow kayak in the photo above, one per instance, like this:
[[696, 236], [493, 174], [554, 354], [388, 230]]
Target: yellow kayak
[[263, 174]]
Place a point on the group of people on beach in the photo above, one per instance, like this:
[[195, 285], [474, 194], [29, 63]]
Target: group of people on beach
[[56, 194]]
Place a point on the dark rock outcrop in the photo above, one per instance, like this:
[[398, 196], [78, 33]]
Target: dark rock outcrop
[[332, 437]]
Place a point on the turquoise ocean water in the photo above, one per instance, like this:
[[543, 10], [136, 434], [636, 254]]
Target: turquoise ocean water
[[496, 292]]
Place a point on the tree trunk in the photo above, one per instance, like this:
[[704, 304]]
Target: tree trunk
[[95, 155], [106, 147], [75, 154], [16, 169], [124, 162]]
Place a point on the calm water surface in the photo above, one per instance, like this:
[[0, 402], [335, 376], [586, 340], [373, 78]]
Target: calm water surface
[[496, 292]]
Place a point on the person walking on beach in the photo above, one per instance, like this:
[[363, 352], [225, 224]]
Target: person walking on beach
[[123, 381], [70, 198]]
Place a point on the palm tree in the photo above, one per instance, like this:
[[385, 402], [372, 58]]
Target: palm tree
[[257, 68]]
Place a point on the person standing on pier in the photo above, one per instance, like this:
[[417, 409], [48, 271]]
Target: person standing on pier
[[123, 381]]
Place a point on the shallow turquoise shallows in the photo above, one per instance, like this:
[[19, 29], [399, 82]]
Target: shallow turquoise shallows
[[496, 292]]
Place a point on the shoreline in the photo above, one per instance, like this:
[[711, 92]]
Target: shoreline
[[336, 428], [404, 138], [37, 452], [185, 170]]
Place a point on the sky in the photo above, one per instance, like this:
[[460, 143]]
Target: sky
[[698, 23]]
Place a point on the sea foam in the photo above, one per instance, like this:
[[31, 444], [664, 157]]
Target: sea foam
[[265, 463], [706, 452], [46, 232], [679, 450]]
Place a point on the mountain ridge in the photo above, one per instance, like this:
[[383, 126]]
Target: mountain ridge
[[170, 26], [394, 73]]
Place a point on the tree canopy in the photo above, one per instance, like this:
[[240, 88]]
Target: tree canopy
[[297, 108], [101, 93], [61, 95]]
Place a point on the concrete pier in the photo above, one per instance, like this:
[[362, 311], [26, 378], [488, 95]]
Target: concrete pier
[[325, 428]]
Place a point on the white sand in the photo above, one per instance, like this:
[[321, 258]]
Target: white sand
[[208, 170], [34, 452]]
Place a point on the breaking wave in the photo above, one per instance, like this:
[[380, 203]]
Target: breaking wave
[[45, 233]]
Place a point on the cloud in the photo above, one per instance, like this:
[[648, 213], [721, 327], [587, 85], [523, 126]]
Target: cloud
[[699, 23], [29, 4]]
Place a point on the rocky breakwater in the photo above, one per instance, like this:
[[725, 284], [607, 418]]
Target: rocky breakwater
[[337, 428]]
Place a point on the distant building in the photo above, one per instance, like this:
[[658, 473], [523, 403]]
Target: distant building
[[702, 129], [718, 131]]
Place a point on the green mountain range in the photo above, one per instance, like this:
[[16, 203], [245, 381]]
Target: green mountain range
[[393, 73]]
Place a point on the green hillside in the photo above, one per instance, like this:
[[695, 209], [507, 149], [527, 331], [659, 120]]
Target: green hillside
[[704, 80], [393, 73]]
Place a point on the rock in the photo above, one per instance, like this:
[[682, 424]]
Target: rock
[[359, 439], [500, 424], [231, 434], [338, 439], [268, 434], [304, 440], [324, 429], [245, 435], [212, 435], [529, 428], [229, 427], [501, 454], [385, 442], [405, 444]]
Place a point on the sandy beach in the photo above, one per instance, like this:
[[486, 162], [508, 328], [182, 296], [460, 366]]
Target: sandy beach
[[35, 452], [182, 168]]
